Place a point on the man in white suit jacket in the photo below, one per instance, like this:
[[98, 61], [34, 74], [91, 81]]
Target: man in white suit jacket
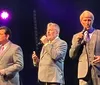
[[86, 46], [11, 59], [51, 62]]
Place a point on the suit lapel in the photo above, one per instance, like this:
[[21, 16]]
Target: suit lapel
[[93, 39], [56, 40], [2, 54], [43, 52], [90, 46]]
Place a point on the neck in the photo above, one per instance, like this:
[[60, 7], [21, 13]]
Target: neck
[[91, 30], [4, 42]]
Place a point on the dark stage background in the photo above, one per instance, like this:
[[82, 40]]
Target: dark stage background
[[28, 23]]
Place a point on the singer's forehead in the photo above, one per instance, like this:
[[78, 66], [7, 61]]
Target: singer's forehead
[[86, 18]]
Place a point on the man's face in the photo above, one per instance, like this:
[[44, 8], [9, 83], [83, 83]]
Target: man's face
[[87, 22], [51, 33], [3, 36]]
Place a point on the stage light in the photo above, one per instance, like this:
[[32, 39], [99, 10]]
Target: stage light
[[4, 15]]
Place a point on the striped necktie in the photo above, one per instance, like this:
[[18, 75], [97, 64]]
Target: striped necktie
[[87, 36]]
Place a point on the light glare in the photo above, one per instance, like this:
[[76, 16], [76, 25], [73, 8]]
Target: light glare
[[4, 15]]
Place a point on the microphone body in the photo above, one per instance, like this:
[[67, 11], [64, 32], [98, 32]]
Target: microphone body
[[83, 30], [40, 43], [42, 40]]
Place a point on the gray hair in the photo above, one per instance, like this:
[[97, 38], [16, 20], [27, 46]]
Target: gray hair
[[55, 25], [86, 13]]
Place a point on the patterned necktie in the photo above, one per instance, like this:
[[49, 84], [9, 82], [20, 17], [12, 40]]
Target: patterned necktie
[[87, 36]]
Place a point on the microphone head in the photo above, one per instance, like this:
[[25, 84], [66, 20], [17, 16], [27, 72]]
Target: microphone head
[[84, 29], [40, 43]]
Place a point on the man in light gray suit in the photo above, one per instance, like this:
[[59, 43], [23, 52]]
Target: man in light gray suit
[[51, 62], [86, 46], [11, 59]]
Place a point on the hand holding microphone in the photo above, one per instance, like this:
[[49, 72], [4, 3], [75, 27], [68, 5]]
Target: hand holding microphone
[[35, 58], [2, 72], [80, 35], [44, 39], [83, 31]]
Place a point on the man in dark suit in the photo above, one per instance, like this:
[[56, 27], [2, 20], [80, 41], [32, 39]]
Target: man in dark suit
[[86, 46], [51, 62], [11, 59]]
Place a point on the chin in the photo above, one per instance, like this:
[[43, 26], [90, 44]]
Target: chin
[[50, 39]]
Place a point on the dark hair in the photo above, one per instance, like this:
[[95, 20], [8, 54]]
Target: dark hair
[[7, 30]]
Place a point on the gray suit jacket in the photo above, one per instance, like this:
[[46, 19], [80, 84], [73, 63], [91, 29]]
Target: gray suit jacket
[[11, 60], [51, 65], [87, 53]]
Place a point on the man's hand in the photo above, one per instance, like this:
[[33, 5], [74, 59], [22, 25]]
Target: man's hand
[[35, 58], [79, 37], [96, 59], [2, 72], [44, 39]]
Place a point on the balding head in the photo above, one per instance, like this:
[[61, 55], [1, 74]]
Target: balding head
[[86, 14]]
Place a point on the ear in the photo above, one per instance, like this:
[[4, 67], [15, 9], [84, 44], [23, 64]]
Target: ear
[[81, 23], [57, 33], [7, 36]]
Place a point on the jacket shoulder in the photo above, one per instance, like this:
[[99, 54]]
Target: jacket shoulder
[[15, 46]]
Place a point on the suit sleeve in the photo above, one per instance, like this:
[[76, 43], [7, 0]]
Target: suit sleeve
[[74, 47], [57, 52], [17, 62]]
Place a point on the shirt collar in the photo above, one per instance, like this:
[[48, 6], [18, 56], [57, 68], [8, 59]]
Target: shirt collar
[[54, 39], [5, 45], [91, 30]]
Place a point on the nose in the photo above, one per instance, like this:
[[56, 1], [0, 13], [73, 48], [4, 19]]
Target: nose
[[48, 32]]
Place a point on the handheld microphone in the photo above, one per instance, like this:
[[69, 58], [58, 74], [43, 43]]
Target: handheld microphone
[[83, 30], [40, 43], [42, 39]]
